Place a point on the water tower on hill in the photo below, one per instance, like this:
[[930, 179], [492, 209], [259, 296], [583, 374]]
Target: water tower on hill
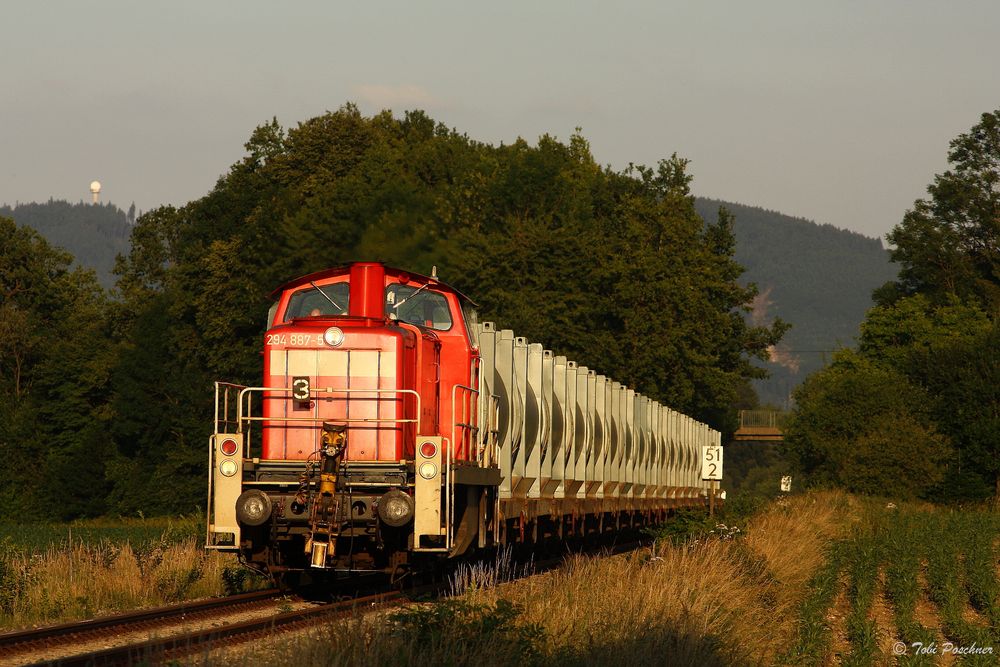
[[95, 189]]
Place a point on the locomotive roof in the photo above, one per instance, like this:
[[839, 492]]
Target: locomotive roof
[[345, 268]]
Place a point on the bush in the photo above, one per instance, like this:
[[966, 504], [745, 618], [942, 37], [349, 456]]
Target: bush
[[469, 629], [865, 428], [685, 524]]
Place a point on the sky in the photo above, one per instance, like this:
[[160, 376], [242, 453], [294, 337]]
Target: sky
[[839, 112]]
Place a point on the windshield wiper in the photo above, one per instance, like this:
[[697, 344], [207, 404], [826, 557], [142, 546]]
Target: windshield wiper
[[406, 298], [326, 296]]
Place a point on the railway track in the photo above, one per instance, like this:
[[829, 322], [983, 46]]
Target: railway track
[[131, 638], [166, 649], [162, 634], [59, 643]]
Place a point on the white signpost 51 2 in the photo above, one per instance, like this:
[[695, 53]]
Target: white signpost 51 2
[[711, 462], [711, 470]]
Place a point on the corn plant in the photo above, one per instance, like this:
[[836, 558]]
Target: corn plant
[[814, 633], [862, 568]]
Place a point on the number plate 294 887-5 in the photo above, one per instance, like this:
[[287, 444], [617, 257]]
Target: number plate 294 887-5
[[294, 339]]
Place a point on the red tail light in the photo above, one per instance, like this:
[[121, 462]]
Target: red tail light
[[229, 447], [428, 450]]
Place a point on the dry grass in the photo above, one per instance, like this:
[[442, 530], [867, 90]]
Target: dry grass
[[731, 602], [706, 602], [85, 580], [702, 603], [792, 534]]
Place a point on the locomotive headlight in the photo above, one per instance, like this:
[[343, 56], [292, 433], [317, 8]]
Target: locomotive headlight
[[333, 336], [395, 508], [228, 467], [427, 470], [253, 507]]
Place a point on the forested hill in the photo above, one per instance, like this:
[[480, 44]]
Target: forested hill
[[817, 277], [93, 233]]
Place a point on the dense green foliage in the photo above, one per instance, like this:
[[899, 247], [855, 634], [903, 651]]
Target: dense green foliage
[[817, 277], [53, 379], [614, 268], [926, 379], [863, 427], [466, 628], [141, 533], [949, 245], [796, 263], [94, 234]]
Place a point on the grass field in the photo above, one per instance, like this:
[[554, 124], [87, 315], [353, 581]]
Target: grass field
[[816, 579], [821, 578], [53, 573], [139, 532]]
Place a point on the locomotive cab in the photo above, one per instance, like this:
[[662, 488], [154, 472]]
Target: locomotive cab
[[346, 457]]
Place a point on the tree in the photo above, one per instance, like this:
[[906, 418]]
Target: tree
[[940, 330], [961, 374], [934, 333], [944, 358], [54, 368], [950, 244], [671, 284], [864, 427], [902, 334]]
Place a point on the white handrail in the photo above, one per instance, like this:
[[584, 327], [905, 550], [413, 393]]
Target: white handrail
[[467, 413], [247, 392], [449, 494]]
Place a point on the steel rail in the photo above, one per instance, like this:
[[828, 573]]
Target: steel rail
[[9, 640], [157, 651]]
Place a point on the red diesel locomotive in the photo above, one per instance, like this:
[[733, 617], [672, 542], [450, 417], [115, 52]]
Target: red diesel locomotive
[[392, 426]]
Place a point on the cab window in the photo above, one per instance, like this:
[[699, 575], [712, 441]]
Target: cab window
[[311, 302], [417, 305], [471, 323]]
